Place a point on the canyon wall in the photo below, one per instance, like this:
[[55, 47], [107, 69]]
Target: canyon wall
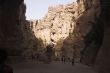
[[83, 25], [96, 50], [70, 27], [56, 26], [11, 35]]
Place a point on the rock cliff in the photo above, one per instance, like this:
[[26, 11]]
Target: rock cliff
[[11, 35], [56, 25], [68, 26], [83, 25]]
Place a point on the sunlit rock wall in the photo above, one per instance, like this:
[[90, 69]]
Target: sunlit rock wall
[[67, 26], [56, 25]]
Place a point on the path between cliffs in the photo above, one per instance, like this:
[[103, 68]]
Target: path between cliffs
[[54, 67]]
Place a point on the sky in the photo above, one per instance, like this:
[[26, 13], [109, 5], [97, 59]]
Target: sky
[[36, 9]]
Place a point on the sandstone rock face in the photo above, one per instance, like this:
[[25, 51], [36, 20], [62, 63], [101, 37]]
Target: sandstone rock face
[[88, 25], [77, 25], [56, 25], [103, 58], [102, 62], [10, 28], [31, 44], [66, 26], [97, 49]]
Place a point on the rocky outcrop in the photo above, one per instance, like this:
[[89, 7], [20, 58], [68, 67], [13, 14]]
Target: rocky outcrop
[[56, 25], [16, 35], [31, 44], [78, 25], [93, 34], [96, 50], [64, 26]]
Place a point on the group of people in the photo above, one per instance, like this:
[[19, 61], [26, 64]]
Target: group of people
[[63, 59], [45, 56], [4, 68]]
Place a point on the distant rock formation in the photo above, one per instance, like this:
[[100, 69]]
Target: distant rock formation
[[66, 26], [81, 25], [56, 25]]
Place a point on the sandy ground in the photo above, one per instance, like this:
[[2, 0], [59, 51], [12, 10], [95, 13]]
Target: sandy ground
[[54, 67]]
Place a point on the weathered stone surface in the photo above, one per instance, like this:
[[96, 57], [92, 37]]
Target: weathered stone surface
[[67, 25], [57, 25], [31, 44], [64, 25], [88, 19], [10, 30], [97, 50]]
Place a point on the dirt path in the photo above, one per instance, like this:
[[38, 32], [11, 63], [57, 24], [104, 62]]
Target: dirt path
[[54, 67]]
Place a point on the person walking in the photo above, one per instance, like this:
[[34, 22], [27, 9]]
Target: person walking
[[72, 62]]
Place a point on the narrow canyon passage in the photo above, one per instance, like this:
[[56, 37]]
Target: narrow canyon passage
[[77, 30]]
